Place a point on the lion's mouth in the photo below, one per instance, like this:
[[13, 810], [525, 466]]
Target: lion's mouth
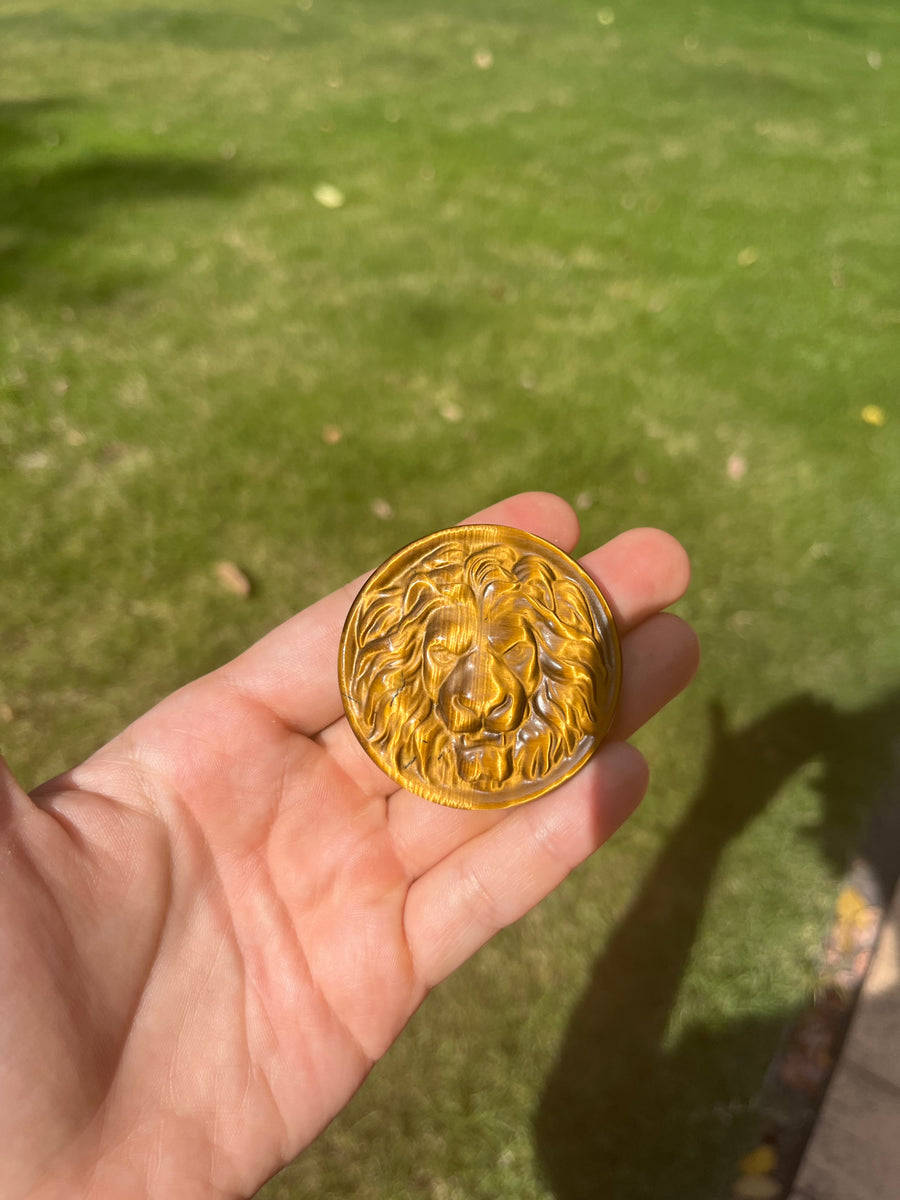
[[484, 760]]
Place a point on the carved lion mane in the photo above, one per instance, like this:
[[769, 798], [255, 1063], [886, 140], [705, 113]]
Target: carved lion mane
[[544, 671]]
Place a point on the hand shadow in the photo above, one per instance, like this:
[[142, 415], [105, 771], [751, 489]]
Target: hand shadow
[[621, 1115]]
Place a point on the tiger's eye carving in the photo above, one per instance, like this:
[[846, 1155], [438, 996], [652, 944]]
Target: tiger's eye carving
[[480, 666]]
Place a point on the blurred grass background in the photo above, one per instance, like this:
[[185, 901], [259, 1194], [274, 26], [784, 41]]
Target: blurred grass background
[[647, 256]]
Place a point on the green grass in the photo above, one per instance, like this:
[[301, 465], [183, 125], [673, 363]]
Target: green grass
[[535, 281]]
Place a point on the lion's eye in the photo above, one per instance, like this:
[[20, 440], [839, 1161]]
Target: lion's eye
[[440, 654], [519, 654]]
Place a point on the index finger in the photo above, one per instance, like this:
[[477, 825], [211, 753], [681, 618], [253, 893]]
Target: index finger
[[293, 669]]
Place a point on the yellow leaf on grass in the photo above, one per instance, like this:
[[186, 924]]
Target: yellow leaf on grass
[[328, 195], [850, 906], [872, 414], [758, 1162]]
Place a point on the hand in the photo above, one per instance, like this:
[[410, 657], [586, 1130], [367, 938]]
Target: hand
[[211, 929]]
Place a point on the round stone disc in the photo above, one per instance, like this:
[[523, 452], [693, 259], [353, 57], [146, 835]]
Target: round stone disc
[[480, 666]]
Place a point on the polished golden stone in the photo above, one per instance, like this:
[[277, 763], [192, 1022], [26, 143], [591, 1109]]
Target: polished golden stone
[[480, 666]]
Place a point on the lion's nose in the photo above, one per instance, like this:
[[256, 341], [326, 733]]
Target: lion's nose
[[480, 691]]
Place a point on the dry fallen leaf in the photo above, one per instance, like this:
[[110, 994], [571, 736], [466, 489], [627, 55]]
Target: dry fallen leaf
[[331, 435], [328, 195], [850, 905], [742, 619], [872, 414], [233, 579], [736, 467], [381, 509], [36, 460], [760, 1161]]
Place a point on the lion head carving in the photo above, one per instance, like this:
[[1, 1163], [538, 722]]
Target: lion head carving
[[478, 670]]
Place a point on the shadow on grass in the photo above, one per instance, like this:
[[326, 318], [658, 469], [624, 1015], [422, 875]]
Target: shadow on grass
[[624, 1116], [45, 209], [213, 29]]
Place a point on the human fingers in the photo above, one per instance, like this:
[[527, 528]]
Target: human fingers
[[639, 572], [495, 878], [659, 660], [293, 669]]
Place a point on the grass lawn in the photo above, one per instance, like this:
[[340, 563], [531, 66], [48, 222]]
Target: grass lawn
[[647, 256]]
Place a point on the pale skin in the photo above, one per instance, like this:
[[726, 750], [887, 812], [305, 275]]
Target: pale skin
[[212, 928]]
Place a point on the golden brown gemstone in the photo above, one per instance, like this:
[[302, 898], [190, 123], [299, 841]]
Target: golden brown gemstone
[[480, 666]]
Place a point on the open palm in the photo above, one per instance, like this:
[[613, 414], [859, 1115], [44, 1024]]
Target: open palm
[[211, 929]]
